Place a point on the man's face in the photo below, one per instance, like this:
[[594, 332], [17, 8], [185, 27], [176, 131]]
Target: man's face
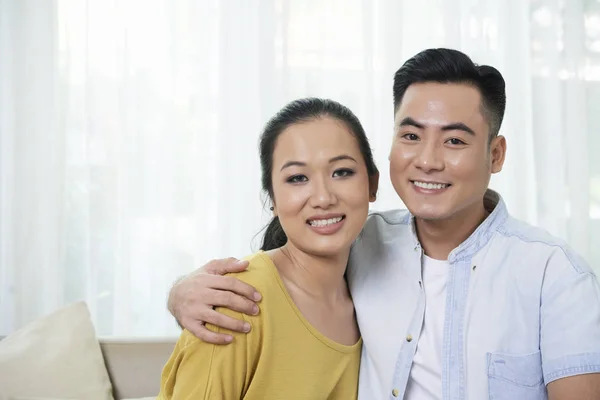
[[441, 158]]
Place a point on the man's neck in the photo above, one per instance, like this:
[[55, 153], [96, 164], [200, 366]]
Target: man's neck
[[439, 237], [317, 277]]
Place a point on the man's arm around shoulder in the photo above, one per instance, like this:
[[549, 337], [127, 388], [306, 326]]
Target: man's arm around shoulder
[[192, 300]]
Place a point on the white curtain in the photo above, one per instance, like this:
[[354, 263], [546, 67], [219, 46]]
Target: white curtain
[[128, 129]]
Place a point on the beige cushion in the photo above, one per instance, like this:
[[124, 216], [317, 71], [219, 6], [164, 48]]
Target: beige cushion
[[57, 356]]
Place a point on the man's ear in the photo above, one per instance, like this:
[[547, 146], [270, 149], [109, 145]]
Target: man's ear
[[498, 153], [373, 186]]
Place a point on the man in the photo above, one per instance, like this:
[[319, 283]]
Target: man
[[455, 299]]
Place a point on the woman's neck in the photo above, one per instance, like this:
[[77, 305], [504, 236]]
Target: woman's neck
[[318, 277]]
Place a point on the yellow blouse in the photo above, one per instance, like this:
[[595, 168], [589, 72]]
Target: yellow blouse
[[283, 356]]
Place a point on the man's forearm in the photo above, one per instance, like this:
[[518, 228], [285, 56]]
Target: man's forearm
[[578, 387]]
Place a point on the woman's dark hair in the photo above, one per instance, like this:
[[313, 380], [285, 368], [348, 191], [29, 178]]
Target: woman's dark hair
[[297, 112], [452, 66]]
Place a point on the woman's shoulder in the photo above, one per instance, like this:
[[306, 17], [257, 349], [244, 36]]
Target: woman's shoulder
[[261, 273]]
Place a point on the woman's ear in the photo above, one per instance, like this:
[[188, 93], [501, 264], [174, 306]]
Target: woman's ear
[[373, 186]]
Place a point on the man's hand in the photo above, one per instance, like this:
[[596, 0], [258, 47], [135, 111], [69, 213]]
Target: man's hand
[[192, 300]]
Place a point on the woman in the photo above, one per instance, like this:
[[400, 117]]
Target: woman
[[319, 174]]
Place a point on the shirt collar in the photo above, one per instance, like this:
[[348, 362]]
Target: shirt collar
[[480, 237]]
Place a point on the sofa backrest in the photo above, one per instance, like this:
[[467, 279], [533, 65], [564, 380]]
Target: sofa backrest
[[135, 366]]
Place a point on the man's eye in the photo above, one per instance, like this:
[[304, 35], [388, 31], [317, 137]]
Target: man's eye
[[455, 141], [410, 136]]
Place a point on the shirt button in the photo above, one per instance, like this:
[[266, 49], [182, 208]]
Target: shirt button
[[395, 392], [409, 338]]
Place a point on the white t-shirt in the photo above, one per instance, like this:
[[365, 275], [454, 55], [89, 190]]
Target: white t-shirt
[[425, 380]]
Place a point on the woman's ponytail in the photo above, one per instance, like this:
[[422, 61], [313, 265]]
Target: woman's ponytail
[[274, 236]]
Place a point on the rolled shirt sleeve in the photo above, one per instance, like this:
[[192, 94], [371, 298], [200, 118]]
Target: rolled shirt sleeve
[[569, 318]]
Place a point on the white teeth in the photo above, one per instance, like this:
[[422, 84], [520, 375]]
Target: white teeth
[[324, 222], [425, 185]]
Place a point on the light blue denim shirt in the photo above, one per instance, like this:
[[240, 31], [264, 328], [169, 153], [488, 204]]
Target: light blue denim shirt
[[522, 309]]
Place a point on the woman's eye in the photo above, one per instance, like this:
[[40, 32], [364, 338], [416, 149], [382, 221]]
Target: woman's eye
[[343, 173], [297, 179], [455, 141], [410, 136]]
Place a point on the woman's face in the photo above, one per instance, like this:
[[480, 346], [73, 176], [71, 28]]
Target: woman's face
[[321, 189]]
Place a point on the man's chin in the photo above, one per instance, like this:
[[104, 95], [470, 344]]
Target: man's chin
[[430, 217], [429, 214]]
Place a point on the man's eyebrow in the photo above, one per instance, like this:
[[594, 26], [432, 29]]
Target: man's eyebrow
[[456, 126], [408, 121]]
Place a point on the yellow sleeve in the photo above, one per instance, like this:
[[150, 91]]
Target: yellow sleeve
[[198, 370]]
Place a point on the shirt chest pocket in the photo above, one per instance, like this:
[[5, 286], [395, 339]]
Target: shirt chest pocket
[[514, 377]]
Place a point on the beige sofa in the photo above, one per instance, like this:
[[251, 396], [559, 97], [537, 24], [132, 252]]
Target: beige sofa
[[134, 366], [59, 356]]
